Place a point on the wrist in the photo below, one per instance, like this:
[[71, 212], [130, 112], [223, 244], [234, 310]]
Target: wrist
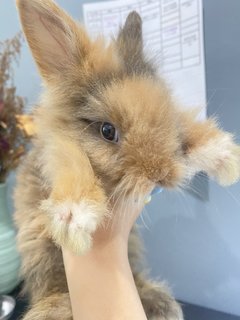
[[104, 272], [111, 252]]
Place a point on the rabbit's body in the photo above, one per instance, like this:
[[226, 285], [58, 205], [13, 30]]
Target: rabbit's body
[[42, 262], [107, 130]]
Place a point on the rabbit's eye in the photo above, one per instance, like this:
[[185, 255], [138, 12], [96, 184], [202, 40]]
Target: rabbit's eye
[[109, 132]]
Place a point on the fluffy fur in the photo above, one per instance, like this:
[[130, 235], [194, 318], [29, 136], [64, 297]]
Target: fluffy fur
[[66, 181]]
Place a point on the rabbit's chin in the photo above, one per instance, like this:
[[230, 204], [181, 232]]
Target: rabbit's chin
[[72, 224]]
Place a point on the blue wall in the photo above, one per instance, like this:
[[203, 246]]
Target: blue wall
[[192, 243]]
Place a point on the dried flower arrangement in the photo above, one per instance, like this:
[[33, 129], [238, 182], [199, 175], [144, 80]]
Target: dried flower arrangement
[[13, 137]]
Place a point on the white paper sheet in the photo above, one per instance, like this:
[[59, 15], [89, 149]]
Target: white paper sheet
[[173, 35]]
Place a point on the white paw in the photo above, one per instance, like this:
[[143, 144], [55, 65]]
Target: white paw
[[73, 223], [227, 168], [220, 158]]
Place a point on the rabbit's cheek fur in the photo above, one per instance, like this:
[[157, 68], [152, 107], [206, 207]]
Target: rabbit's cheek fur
[[147, 120]]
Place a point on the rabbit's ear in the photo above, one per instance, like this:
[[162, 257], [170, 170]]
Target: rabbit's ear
[[130, 44], [131, 33], [56, 41]]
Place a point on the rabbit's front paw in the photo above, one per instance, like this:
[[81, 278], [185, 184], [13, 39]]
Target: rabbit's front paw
[[227, 162], [72, 223]]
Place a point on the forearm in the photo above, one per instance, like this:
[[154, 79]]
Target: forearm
[[101, 284]]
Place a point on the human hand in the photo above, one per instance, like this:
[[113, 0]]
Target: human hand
[[100, 282]]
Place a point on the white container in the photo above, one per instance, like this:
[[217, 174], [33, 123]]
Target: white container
[[9, 257]]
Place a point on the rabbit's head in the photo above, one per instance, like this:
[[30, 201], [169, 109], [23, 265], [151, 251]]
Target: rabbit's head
[[109, 100]]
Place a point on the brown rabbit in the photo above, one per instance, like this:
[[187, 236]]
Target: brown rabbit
[[106, 122]]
